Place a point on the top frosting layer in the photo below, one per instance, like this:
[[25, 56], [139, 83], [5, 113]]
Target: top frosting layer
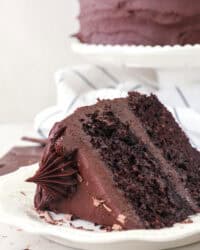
[[155, 22], [182, 7]]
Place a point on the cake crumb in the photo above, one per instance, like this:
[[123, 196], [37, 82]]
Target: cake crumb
[[187, 221], [121, 218]]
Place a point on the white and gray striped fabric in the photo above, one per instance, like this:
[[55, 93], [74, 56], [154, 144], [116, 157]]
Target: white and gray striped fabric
[[82, 85]]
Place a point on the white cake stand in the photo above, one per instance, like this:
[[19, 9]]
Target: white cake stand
[[173, 64]]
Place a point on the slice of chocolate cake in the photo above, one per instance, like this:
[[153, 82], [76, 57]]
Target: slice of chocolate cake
[[123, 163]]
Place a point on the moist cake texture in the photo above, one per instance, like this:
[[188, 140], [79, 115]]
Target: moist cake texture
[[139, 22], [123, 163]]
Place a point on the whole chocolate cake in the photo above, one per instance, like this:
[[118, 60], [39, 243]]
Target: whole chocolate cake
[[123, 163], [139, 22]]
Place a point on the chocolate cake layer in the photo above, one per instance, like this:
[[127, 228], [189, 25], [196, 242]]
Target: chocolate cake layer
[[102, 164], [141, 22], [166, 135]]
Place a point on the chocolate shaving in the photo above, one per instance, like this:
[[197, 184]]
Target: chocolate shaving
[[97, 202], [42, 142], [107, 208], [80, 179], [121, 218], [116, 227], [80, 228], [47, 217], [108, 229], [21, 192]]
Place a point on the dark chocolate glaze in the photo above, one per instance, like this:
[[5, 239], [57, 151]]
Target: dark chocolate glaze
[[139, 22], [92, 194]]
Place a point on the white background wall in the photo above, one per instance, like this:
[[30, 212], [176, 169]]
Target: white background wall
[[34, 43]]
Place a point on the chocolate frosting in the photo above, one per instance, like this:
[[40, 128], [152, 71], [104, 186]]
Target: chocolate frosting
[[155, 22], [57, 174]]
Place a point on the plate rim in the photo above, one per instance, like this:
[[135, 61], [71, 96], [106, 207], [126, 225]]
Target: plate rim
[[145, 236]]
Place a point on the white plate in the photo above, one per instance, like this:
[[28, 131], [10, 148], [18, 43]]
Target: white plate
[[17, 209], [141, 56]]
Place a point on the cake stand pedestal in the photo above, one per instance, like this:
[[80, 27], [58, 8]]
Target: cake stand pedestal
[[172, 64]]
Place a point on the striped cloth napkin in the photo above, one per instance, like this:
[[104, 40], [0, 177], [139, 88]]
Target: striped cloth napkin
[[82, 85]]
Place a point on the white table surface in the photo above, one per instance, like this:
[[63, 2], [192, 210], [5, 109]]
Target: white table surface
[[12, 238]]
